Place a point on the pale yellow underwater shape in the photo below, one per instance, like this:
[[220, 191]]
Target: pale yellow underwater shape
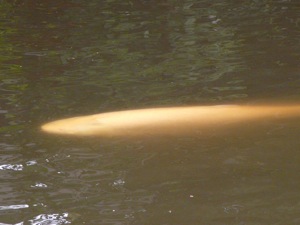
[[169, 121]]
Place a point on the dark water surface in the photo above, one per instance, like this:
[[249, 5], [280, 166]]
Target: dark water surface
[[66, 58]]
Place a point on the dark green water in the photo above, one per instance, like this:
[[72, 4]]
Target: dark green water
[[67, 58]]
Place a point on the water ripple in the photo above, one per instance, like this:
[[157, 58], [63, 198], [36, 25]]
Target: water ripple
[[22, 206], [51, 219], [15, 167]]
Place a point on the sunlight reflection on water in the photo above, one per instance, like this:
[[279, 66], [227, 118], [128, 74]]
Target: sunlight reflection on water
[[14, 207]]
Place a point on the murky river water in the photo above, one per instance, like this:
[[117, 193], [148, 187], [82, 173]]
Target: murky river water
[[67, 58]]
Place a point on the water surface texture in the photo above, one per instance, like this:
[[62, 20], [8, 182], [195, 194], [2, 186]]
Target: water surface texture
[[68, 58]]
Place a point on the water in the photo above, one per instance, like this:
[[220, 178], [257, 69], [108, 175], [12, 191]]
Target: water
[[76, 57]]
